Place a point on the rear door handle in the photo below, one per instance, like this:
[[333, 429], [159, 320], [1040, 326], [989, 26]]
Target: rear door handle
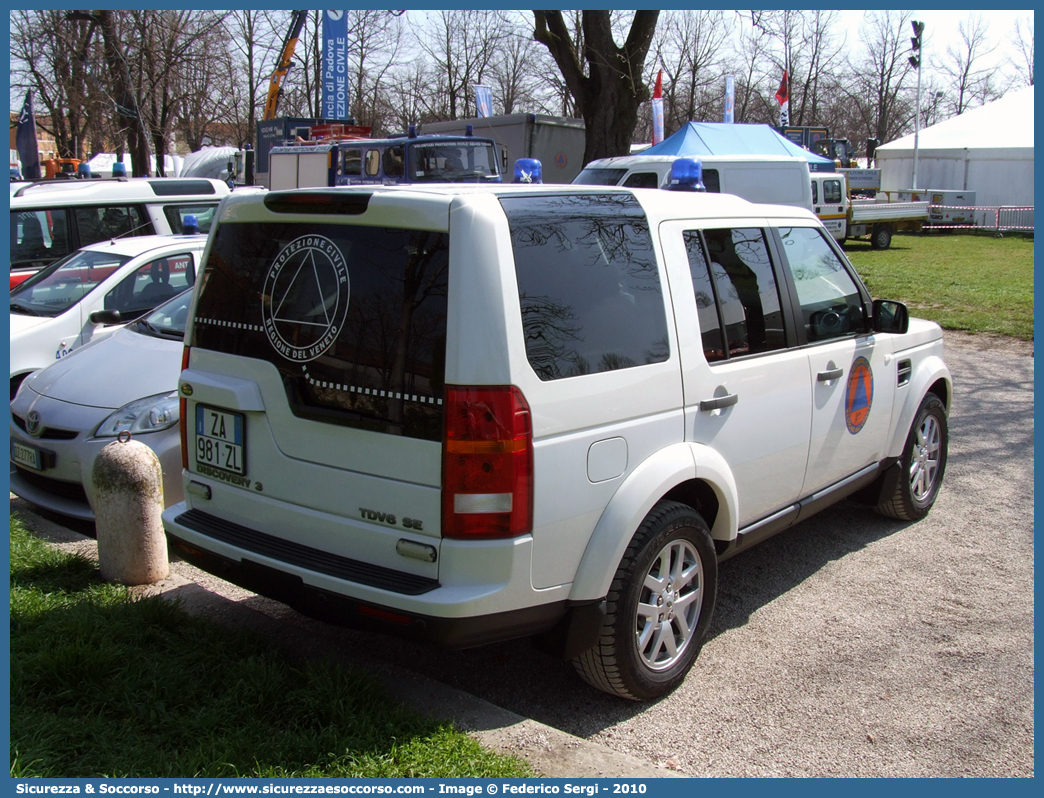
[[833, 374], [719, 402]]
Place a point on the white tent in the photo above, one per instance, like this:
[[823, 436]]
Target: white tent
[[988, 150]]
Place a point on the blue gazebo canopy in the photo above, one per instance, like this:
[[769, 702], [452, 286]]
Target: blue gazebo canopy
[[721, 138]]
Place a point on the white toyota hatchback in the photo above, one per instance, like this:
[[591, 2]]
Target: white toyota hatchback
[[65, 414], [89, 293]]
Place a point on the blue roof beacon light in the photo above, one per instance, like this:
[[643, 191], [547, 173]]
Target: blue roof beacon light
[[190, 225], [469, 130], [83, 170], [119, 169], [528, 170], [686, 175]]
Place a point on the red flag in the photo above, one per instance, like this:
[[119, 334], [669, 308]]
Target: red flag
[[657, 109], [783, 93]]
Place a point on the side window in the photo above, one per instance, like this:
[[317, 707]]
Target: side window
[[830, 303], [373, 163], [351, 162], [831, 191], [176, 216], [588, 282], [97, 224], [38, 237], [151, 284], [712, 181], [815, 192], [706, 302], [747, 290], [643, 180], [393, 162]]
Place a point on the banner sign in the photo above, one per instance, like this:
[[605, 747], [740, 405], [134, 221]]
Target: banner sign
[[484, 100], [783, 96], [730, 99], [335, 65], [25, 140]]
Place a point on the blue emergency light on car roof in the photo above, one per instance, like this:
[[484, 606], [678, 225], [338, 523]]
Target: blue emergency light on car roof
[[686, 175], [528, 170], [119, 169], [190, 225]]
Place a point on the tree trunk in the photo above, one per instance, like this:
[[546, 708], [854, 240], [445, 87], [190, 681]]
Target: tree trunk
[[609, 94], [123, 91]]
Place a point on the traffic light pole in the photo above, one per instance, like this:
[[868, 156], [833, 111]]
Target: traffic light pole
[[917, 60], [917, 126]]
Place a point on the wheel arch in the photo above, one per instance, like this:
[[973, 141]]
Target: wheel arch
[[688, 473], [931, 376]]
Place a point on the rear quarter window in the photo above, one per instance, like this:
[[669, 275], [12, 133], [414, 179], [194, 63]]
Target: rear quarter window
[[353, 317], [589, 285]]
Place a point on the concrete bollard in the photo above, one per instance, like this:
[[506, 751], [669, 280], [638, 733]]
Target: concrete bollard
[[128, 501]]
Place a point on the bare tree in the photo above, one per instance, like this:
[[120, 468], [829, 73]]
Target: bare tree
[[752, 104], [691, 47], [962, 70], [877, 86], [375, 46], [606, 78], [461, 46], [1020, 57], [60, 60]]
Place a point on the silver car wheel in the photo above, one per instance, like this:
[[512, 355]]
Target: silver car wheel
[[669, 605], [924, 466]]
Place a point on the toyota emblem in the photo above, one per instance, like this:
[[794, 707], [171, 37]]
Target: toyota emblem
[[32, 423]]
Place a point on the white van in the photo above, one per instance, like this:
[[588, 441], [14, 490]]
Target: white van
[[775, 179], [474, 413], [51, 218]]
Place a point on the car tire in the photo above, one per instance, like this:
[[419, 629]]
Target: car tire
[[921, 468], [881, 237], [647, 644]]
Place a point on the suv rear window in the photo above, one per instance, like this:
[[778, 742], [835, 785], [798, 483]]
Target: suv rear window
[[353, 317], [588, 283]]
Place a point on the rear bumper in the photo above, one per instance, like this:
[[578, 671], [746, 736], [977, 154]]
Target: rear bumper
[[272, 568]]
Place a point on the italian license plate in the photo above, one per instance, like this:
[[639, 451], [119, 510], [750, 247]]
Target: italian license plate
[[220, 439], [24, 455]]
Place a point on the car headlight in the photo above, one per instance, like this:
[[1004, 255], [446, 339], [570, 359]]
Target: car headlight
[[151, 414]]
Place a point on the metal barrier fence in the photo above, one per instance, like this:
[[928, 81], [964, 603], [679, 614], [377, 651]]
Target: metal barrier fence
[[999, 218]]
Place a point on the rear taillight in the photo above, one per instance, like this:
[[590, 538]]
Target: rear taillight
[[487, 463], [183, 408]]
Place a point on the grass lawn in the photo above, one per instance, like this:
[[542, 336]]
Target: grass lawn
[[971, 282], [104, 685]]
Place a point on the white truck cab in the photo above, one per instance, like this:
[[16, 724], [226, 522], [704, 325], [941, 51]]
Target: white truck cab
[[473, 413]]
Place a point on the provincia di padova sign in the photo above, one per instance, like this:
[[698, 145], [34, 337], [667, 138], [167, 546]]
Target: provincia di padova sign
[[335, 65]]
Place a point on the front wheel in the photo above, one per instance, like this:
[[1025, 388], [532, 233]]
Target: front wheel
[[658, 609], [922, 465]]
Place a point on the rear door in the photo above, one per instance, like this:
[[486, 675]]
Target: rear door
[[319, 342], [747, 386]]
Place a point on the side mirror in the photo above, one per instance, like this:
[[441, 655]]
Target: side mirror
[[105, 317], [890, 316]]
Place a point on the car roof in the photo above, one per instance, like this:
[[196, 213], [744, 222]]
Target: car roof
[[662, 203], [133, 246], [149, 189]]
